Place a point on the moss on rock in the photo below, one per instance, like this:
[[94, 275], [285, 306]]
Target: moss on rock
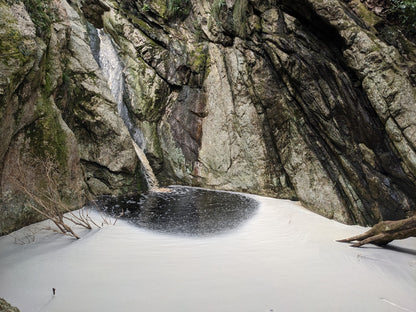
[[240, 17], [46, 136], [199, 58], [42, 15], [178, 9], [14, 48], [7, 307]]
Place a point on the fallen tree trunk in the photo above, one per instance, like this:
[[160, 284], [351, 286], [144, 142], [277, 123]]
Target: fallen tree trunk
[[384, 232]]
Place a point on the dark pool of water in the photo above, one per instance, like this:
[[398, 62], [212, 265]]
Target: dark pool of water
[[185, 210]]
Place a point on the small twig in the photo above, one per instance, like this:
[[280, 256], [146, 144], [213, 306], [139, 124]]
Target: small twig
[[119, 216]]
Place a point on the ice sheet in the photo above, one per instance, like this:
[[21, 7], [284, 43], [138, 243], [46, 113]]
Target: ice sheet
[[284, 258]]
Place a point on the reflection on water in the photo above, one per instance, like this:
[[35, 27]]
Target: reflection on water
[[185, 210]]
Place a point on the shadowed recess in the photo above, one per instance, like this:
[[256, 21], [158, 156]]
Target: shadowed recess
[[190, 211]]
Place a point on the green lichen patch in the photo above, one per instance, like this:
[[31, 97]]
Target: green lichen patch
[[199, 58], [46, 135], [158, 6], [7, 307], [366, 15], [13, 45], [240, 17], [141, 24], [42, 15]]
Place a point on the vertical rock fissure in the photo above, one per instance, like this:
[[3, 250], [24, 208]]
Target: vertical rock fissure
[[319, 146], [286, 189], [339, 158]]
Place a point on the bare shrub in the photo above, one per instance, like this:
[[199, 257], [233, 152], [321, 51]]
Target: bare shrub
[[47, 196], [27, 237]]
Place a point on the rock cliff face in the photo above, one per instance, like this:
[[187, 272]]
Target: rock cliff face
[[56, 104], [312, 100]]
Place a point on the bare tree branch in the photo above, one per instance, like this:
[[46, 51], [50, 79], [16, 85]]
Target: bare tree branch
[[45, 196], [385, 232]]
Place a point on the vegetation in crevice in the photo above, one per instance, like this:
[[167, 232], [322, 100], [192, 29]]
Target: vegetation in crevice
[[403, 13], [198, 32], [12, 43], [198, 58], [216, 10], [178, 9], [42, 15], [240, 17], [12, 47]]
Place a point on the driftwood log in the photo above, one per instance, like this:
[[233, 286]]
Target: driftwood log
[[384, 232]]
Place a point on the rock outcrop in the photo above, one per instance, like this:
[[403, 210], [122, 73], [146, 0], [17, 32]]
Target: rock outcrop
[[55, 104], [292, 99], [312, 100], [7, 307]]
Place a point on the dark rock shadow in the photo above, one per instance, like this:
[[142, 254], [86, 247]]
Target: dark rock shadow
[[408, 251]]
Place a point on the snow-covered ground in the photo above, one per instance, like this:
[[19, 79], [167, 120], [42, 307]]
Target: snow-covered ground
[[284, 258]]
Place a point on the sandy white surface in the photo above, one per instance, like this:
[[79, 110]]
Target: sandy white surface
[[284, 258]]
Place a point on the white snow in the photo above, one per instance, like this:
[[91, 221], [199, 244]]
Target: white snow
[[284, 258]]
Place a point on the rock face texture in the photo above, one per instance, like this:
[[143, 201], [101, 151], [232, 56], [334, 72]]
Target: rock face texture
[[7, 307], [55, 104], [312, 100]]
